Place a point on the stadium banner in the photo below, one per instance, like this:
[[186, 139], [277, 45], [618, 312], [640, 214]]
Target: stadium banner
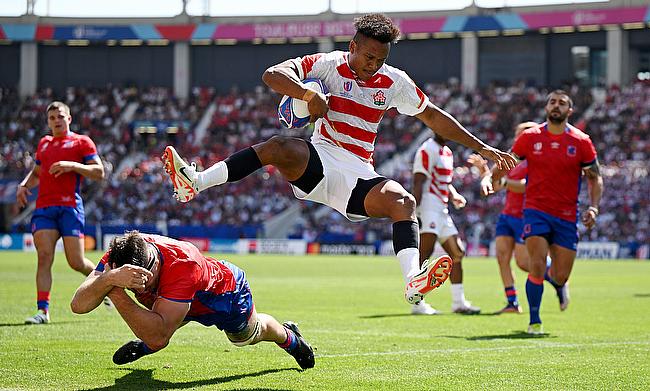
[[224, 246], [94, 33], [386, 248], [274, 246], [11, 242], [348, 249], [331, 28], [597, 250]]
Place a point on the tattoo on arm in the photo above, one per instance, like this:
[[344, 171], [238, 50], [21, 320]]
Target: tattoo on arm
[[593, 171]]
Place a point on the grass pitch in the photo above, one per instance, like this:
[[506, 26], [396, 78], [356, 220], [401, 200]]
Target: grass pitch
[[352, 311]]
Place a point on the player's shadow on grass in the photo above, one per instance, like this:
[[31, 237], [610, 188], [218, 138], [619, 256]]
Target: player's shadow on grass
[[644, 295], [142, 379], [513, 335]]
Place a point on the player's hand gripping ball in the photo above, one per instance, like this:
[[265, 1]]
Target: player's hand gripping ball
[[293, 113]]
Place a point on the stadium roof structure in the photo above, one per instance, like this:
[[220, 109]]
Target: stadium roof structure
[[207, 30]]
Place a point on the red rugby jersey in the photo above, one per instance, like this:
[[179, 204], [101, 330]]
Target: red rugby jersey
[[515, 201], [555, 164], [64, 189], [184, 272]]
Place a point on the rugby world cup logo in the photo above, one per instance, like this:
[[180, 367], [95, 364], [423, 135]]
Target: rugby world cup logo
[[347, 86]]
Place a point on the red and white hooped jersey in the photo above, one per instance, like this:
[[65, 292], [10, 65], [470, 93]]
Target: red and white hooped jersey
[[437, 163], [356, 107]]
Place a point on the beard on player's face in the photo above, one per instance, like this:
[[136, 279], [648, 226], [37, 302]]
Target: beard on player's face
[[557, 116]]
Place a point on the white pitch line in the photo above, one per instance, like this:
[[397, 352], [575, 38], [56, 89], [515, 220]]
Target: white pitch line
[[532, 346]]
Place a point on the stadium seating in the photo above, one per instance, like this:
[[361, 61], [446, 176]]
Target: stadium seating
[[137, 191]]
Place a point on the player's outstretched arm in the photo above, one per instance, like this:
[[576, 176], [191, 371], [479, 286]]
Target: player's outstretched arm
[[445, 125], [154, 327], [595, 190]]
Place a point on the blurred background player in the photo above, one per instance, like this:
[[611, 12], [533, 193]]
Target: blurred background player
[[557, 154], [433, 169], [335, 168], [177, 284], [61, 159], [509, 230], [509, 227]]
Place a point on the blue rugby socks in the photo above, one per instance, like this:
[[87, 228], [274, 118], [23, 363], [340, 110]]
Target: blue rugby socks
[[534, 292], [511, 295]]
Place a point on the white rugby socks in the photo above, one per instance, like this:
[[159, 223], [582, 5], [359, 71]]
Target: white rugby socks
[[217, 174], [409, 261]]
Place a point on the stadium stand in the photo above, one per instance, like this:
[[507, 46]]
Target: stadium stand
[[136, 191]]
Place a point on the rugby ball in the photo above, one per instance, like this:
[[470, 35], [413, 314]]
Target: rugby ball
[[293, 113]]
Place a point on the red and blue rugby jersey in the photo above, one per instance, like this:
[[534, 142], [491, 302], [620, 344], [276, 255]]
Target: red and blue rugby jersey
[[184, 272], [64, 189], [555, 164], [515, 201]]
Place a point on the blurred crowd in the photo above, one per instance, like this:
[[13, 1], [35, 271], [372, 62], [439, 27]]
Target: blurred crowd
[[137, 191]]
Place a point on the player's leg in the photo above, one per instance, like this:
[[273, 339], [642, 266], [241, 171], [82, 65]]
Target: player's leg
[[521, 257], [537, 232], [289, 155], [563, 253], [389, 199], [559, 272], [504, 249], [45, 243], [454, 247], [537, 247], [427, 244], [134, 350], [74, 253]]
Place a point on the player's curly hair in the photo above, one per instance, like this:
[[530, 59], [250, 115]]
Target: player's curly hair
[[377, 26], [129, 249]]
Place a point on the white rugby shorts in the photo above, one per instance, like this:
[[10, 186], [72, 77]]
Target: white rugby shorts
[[341, 169], [435, 219]]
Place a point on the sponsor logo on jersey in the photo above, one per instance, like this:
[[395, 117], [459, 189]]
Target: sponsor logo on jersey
[[379, 98], [555, 145], [68, 144], [571, 150]]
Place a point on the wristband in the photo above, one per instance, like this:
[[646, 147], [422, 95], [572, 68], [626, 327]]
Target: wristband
[[309, 95], [593, 209]]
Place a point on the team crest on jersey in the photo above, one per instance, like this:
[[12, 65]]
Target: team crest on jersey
[[347, 86], [432, 225], [379, 98], [537, 148], [571, 150]]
